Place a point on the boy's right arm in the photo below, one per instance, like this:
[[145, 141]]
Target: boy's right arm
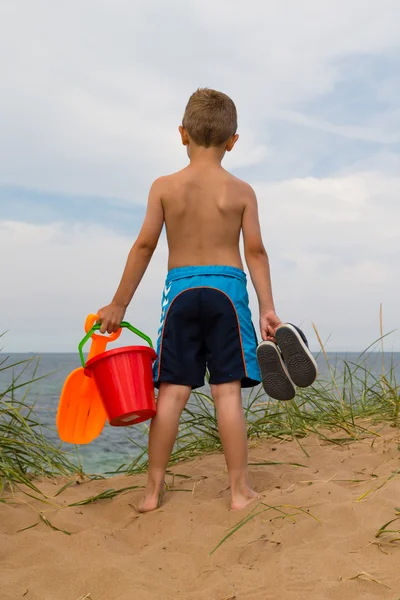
[[139, 257], [258, 264]]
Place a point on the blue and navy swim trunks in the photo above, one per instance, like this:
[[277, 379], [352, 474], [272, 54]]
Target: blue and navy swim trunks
[[206, 324]]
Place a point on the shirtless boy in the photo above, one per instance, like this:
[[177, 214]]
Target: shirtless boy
[[205, 321]]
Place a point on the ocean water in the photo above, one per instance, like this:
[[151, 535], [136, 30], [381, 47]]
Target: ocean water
[[113, 447]]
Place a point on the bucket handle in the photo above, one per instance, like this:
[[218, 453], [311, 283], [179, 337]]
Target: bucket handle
[[97, 326]]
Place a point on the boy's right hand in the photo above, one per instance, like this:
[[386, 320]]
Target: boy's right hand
[[269, 323], [110, 317]]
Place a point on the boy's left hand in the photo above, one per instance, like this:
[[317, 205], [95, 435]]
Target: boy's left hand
[[269, 323], [110, 317]]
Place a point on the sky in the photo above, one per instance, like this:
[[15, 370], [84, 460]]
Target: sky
[[92, 94]]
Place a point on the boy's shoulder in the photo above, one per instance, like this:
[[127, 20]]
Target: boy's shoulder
[[241, 184], [170, 180], [241, 190]]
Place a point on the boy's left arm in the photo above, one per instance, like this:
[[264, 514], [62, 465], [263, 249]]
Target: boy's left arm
[[138, 260]]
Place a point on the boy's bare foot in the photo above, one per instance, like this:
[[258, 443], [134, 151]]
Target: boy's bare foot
[[150, 501], [242, 499]]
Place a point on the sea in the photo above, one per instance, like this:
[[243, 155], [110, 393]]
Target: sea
[[116, 445]]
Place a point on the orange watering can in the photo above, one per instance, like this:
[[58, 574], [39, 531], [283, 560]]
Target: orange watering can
[[81, 415]]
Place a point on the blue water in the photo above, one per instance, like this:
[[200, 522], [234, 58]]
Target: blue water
[[113, 446]]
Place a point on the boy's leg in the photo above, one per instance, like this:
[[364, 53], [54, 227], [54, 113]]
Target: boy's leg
[[171, 401], [233, 433]]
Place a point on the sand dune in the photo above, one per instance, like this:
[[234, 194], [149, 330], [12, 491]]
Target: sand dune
[[114, 553]]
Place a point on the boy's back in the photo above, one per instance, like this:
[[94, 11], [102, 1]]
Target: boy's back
[[203, 209]]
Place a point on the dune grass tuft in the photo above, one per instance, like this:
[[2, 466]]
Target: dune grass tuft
[[263, 507], [25, 451], [351, 403], [389, 533]]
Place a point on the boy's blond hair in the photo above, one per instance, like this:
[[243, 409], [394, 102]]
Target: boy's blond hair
[[210, 118]]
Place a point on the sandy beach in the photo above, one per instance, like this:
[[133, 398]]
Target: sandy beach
[[319, 542]]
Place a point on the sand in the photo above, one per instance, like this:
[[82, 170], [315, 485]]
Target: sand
[[114, 553]]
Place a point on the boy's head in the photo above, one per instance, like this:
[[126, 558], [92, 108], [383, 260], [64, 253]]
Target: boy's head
[[210, 119]]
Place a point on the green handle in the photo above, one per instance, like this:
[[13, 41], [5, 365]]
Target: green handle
[[97, 327]]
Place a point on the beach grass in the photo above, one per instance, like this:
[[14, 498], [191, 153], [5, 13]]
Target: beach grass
[[351, 403], [389, 533], [282, 512], [26, 453]]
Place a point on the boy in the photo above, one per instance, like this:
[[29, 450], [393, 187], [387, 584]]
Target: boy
[[206, 321]]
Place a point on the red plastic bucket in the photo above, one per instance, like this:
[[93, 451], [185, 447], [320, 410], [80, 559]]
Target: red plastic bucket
[[124, 380]]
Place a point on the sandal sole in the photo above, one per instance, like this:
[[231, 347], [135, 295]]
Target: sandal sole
[[299, 361], [275, 379]]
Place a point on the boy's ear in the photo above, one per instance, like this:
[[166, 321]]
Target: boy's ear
[[184, 135], [231, 142]]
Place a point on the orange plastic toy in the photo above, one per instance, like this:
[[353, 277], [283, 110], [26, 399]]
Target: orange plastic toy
[[81, 415]]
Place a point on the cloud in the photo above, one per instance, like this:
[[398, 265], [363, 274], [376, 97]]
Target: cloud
[[92, 95], [333, 253], [57, 274], [364, 133], [38, 206], [361, 106]]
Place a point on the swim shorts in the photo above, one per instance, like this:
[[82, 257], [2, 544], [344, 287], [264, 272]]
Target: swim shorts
[[206, 324]]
